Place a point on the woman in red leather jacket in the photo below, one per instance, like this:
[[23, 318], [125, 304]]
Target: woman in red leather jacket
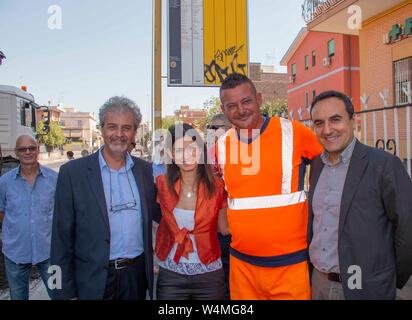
[[193, 202]]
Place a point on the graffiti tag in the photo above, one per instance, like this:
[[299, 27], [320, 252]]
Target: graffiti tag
[[214, 70], [220, 54]]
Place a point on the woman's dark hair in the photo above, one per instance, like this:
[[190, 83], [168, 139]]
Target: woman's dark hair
[[204, 172]]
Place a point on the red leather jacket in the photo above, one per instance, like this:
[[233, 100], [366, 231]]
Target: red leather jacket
[[205, 229]]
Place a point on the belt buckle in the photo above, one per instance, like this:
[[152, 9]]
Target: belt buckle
[[336, 277], [116, 264]]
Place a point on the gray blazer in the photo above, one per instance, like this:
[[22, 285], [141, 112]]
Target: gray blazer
[[81, 235], [375, 223]]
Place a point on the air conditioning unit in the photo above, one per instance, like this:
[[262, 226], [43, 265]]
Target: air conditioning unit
[[327, 62], [292, 79]]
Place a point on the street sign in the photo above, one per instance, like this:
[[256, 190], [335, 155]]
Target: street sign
[[207, 41]]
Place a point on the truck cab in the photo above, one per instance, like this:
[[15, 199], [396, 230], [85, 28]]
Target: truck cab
[[17, 117]]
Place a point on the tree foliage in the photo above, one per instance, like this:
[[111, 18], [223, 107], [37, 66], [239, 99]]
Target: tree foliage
[[145, 139], [278, 108], [54, 138], [212, 107], [169, 121]]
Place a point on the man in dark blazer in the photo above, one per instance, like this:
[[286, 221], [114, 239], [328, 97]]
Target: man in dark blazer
[[360, 211], [104, 206]]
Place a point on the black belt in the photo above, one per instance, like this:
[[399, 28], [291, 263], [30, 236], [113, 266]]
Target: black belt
[[123, 262], [335, 277], [274, 261], [332, 276]]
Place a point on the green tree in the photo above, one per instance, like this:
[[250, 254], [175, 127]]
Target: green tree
[[52, 139], [41, 137], [278, 108], [145, 138], [169, 121], [212, 108]]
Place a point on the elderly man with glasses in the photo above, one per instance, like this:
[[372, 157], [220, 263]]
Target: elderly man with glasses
[[105, 202], [26, 210]]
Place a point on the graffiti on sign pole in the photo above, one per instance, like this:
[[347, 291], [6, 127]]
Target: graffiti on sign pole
[[216, 70], [220, 54]]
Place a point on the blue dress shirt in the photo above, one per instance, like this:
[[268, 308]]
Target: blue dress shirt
[[323, 250], [158, 170], [124, 209], [28, 214]]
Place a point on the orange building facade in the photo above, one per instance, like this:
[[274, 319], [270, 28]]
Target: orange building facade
[[382, 55], [321, 61], [385, 56]]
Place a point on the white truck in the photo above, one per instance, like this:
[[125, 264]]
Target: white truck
[[17, 117]]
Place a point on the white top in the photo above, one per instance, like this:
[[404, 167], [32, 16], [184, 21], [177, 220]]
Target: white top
[[192, 265]]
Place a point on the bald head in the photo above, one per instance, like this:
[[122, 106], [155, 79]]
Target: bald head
[[24, 140], [221, 120], [27, 150]]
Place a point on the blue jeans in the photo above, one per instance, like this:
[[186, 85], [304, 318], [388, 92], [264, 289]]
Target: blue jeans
[[18, 278]]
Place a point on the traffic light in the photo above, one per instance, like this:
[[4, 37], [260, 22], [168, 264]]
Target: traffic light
[[46, 127], [46, 122], [2, 56]]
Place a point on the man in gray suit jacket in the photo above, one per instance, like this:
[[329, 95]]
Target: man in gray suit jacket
[[360, 211], [104, 205]]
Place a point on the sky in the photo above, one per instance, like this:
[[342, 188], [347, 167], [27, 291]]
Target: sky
[[104, 49]]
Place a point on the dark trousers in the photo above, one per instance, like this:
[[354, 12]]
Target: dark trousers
[[224, 242], [128, 283], [175, 286]]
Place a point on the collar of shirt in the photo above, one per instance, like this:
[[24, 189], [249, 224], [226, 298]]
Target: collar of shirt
[[42, 171], [103, 163], [266, 120], [344, 156]]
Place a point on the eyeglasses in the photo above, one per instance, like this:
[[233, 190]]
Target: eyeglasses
[[119, 207], [25, 149], [131, 205], [215, 127]]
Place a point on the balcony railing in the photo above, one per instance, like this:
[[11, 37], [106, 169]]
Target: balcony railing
[[387, 128]]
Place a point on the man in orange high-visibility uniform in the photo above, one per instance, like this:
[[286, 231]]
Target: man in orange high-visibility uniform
[[262, 161]]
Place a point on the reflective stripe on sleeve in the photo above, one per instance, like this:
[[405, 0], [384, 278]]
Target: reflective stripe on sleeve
[[287, 155], [221, 156], [266, 201]]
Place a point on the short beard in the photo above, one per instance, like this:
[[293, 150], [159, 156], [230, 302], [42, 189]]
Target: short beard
[[118, 148]]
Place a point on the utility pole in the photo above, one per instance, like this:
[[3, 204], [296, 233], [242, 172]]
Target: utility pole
[[157, 66]]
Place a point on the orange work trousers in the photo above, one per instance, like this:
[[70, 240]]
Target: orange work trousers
[[249, 282]]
